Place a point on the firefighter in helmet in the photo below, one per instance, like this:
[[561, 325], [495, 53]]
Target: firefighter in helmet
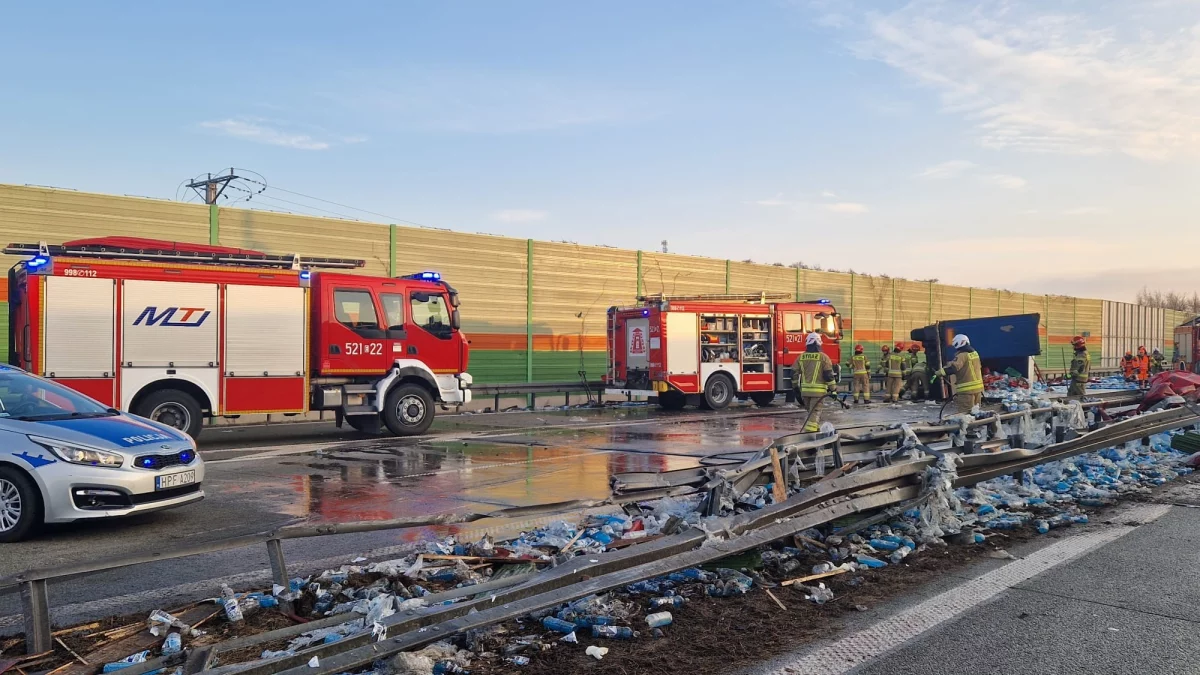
[[886, 349], [860, 366], [1158, 362], [896, 368], [967, 373], [813, 373], [1081, 367], [918, 378]]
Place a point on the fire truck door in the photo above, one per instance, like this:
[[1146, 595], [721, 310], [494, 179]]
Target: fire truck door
[[355, 338], [793, 331], [80, 338], [430, 335]]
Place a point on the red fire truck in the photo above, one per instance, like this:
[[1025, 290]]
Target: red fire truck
[[175, 332], [707, 350]]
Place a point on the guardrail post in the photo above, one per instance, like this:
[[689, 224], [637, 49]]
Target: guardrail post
[[278, 567], [35, 604]]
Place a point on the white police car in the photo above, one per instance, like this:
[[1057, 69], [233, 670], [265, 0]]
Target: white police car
[[65, 457]]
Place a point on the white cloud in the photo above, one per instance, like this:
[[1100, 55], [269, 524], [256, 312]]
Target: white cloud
[[1084, 211], [260, 130], [1038, 76], [777, 200], [1006, 181], [519, 215], [829, 194], [850, 208], [948, 169]]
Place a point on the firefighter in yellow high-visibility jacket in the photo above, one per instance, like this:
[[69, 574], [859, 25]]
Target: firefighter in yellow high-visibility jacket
[[813, 374], [860, 366], [967, 373], [896, 368]]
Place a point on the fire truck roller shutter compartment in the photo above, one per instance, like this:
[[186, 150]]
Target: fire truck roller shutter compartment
[[265, 349], [79, 335], [169, 343]]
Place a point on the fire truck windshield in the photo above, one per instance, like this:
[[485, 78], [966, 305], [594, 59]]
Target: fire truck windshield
[[829, 325]]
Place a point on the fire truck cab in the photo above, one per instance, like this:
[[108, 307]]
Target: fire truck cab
[[708, 350], [177, 332]]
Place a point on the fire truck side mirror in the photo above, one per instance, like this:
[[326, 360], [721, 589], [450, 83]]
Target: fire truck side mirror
[[455, 321]]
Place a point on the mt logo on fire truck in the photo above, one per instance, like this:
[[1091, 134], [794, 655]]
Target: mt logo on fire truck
[[637, 341], [189, 317]]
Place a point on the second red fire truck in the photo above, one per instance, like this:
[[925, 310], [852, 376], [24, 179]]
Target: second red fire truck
[[178, 332], [709, 350]]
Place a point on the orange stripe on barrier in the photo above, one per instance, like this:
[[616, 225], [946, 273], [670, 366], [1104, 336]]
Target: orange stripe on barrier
[[541, 343], [501, 341], [872, 335]]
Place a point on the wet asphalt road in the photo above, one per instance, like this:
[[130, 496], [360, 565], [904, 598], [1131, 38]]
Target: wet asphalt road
[[266, 477]]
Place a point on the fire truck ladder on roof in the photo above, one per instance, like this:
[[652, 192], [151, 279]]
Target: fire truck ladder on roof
[[294, 261], [717, 297]]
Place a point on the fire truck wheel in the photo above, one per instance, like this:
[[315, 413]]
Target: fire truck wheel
[[408, 410], [174, 408], [718, 391], [365, 424], [672, 400], [763, 399]]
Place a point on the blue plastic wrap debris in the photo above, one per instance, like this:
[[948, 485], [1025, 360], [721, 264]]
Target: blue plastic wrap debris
[[173, 644], [868, 561]]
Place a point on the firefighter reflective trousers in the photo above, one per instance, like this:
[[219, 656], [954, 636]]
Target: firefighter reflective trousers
[[892, 387], [813, 405], [862, 387], [1077, 388], [917, 383], [963, 403]]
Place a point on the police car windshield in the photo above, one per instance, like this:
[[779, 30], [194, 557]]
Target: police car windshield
[[25, 397]]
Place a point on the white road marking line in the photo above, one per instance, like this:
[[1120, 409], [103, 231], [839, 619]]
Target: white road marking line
[[856, 649]]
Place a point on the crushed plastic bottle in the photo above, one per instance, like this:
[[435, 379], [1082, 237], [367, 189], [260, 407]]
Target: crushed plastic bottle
[[670, 601], [519, 660], [884, 545], [558, 625], [233, 611], [873, 563], [819, 594], [173, 644], [612, 632], [659, 619], [899, 554], [139, 657]]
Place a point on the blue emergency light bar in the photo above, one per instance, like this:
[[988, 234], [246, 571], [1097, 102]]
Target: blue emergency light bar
[[645, 312], [424, 276], [37, 262], [305, 275], [823, 301]]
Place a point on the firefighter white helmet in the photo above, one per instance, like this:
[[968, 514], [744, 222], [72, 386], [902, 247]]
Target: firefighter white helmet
[[960, 341], [813, 339]]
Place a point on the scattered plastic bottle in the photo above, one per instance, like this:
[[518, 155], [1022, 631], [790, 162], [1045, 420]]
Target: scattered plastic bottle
[[139, 657], [447, 668], [873, 563], [884, 545], [587, 620], [1042, 526], [519, 660], [612, 632], [659, 619], [669, 601], [823, 568], [233, 610], [173, 644], [899, 555], [558, 625], [985, 509]]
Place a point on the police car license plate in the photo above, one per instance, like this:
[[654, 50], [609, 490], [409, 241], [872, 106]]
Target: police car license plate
[[174, 480]]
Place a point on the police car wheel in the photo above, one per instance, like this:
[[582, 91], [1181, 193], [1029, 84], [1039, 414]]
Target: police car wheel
[[174, 408], [763, 398], [408, 410], [20, 506], [718, 392]]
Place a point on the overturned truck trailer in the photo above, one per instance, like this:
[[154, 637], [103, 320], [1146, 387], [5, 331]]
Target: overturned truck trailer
[[1003, 342]]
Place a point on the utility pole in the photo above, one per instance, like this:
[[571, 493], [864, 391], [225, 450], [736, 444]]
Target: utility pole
[[213, 186]]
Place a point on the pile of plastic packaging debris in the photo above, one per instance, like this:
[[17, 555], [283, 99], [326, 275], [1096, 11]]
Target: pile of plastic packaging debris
[[1050, 496]]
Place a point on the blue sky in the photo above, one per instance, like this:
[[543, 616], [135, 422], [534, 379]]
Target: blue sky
[[1042, 146]]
